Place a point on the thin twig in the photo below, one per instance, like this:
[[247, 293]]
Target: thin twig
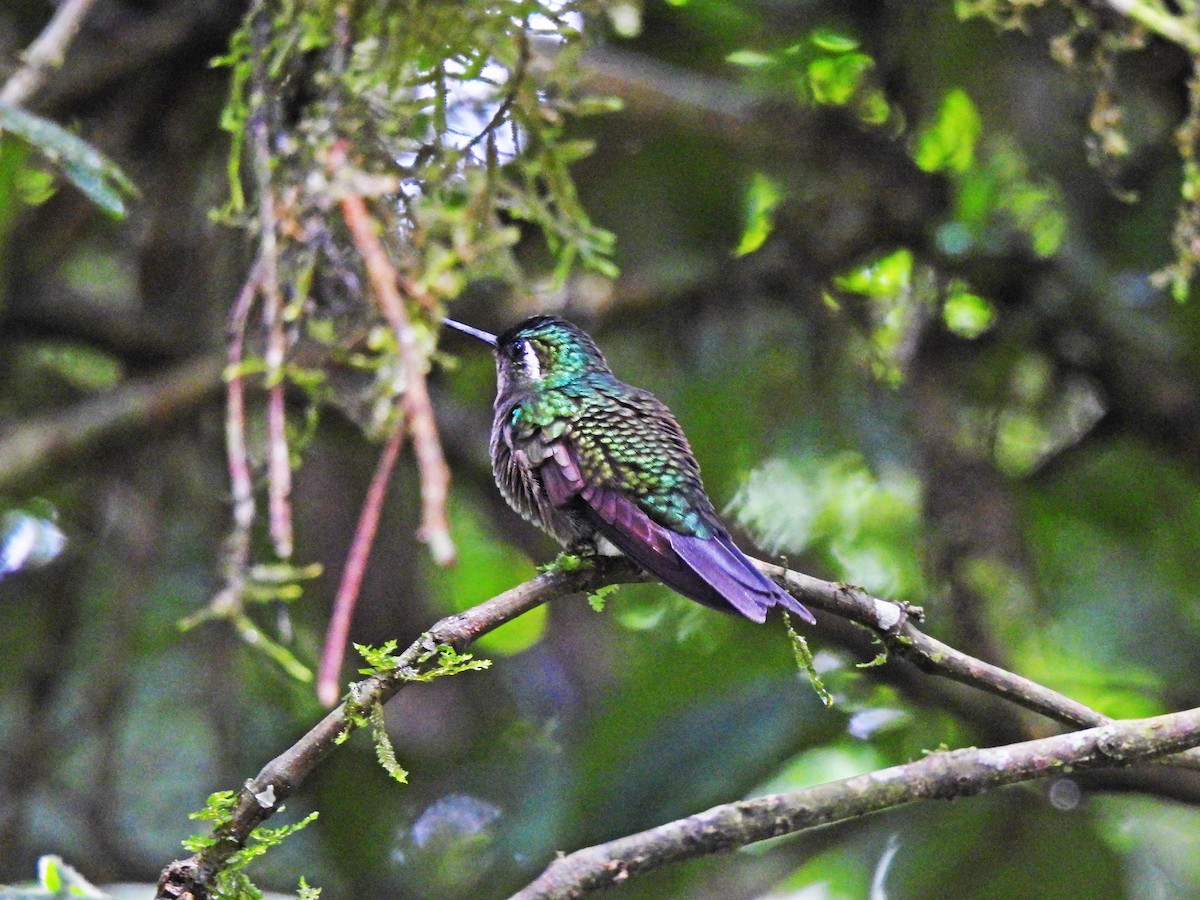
[[435, 474], [47, 52], [241, 485], [939, 776], [279, 467], [1153, 17], [510, 97], [338, 631]]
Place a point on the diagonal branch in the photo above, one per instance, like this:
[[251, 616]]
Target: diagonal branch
[[46, 52], [939, 776], [192, 877], [892, 624], [45, 441], [1154, 17], [889, 621]]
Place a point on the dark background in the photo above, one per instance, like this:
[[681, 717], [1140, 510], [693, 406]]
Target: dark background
[[1035, 487]]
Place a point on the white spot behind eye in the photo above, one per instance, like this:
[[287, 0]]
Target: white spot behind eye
[[533, 366]]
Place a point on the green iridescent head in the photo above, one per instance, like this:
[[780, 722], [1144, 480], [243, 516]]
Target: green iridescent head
[[543, 351]]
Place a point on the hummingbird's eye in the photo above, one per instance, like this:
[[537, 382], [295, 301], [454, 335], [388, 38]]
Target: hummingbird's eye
[[524, 354]]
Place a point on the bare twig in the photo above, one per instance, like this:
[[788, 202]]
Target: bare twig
[[279, 467], [241, 484], [1155, 18], [435, 474], [46, 52], [338, 632], [939, 776], [516, 79], [41, 443]]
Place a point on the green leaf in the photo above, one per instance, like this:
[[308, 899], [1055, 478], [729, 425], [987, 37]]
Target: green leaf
[[281, 655], [750, 58], [597, 598], [967, 315], [100, 179], [60, 880], [949, 141], [49, 874], [34, 186], [1000, 192], [380, 660], [833, 41], [872, 107], [450, 662], [804, 661], [834, 80], [762, 197], [79, 365], [886, 277], [566, 562]]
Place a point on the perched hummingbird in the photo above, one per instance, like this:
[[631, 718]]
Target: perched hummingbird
[[603, 465]]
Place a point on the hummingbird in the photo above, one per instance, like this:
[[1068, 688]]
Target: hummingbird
[[604, 467]]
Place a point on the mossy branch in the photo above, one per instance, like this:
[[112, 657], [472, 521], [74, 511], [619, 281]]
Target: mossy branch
[[891, 622], [939, 776]]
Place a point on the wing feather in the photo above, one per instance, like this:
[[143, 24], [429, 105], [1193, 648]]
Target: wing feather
[[710, 570]]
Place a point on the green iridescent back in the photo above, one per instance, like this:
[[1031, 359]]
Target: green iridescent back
[[625, 438]]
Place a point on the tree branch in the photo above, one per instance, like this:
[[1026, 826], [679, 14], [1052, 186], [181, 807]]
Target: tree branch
[[261, 796], [891, 622], [1155, 18], [46, 52], [939, 776], [45, 441]]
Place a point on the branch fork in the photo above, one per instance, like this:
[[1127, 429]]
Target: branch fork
[[723, 828]]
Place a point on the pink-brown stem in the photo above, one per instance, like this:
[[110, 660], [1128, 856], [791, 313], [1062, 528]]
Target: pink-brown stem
[[338, 633], [435, 474], [279, 467], [241, 484]]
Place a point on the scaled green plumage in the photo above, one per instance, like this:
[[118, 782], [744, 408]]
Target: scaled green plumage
[[602, 465]]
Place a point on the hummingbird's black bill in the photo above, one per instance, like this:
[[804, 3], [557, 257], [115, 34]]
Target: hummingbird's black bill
[[486, 337]]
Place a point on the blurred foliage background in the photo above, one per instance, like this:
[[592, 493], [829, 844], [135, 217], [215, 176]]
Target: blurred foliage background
[[891, 264]]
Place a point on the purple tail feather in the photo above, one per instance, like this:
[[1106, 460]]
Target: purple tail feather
[[712, 571], [727, 572]]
